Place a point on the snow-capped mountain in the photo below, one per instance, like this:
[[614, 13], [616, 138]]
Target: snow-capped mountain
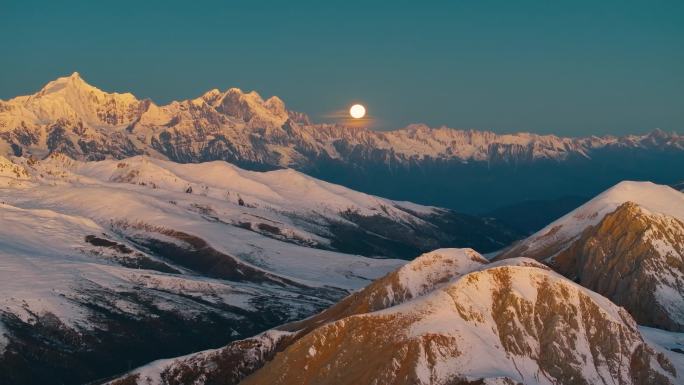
[[627, 244], [635, 258], [113, 263], [559, 234], [448, 317], [71, 117]]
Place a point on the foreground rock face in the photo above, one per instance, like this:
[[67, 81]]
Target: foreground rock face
[[447, 318], [229, 365], [626, 244], [635, 258], [537, 328]]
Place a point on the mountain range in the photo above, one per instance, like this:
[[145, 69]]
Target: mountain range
[[440, 166], [448, 317], [123, 261], [242, 240], [453, 317]]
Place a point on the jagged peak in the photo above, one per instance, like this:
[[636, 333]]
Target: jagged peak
[[212, 93], [59, 84], [75, 84], [660, 137], [235, 94], [659, 132], [254, 96], [235, 90], [275, 104], [417, 127], [210, 97]]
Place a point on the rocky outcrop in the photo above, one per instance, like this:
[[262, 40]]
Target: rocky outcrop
[[534, 327], [231, 364], [626, 244], [448, 317], [635, 258]]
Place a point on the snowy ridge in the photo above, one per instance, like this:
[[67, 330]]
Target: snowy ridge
[[559, 234], [283, 204], [274, 189], [252, 352], [423, 273]]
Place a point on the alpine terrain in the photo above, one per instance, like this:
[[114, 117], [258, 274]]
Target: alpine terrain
[[314, 193], [439, 166], [626, 244], [448, 317], [107, 265], [127, 237]]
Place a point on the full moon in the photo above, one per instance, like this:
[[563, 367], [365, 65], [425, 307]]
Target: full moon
[[357, 111]]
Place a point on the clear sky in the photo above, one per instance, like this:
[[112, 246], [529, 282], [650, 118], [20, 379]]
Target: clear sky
[[565, 67]]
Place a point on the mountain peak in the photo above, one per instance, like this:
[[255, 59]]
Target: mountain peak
[[646, 249], [507, 314], [251, 107], [211, 96], [559, 235], [660, 137], [72, 99], [72, 81]]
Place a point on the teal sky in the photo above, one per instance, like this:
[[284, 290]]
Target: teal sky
[[564, 67]]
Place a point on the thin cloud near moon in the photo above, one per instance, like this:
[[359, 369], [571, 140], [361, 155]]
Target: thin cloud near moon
[[342, 116]]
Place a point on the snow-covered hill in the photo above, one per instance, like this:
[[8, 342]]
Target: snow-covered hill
[[449, 317], [559, 234], [72, 117], [118, 262], [627, 244], [282, 204]]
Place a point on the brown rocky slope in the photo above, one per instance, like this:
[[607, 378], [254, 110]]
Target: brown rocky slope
[[635, 258], [451, 319]]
